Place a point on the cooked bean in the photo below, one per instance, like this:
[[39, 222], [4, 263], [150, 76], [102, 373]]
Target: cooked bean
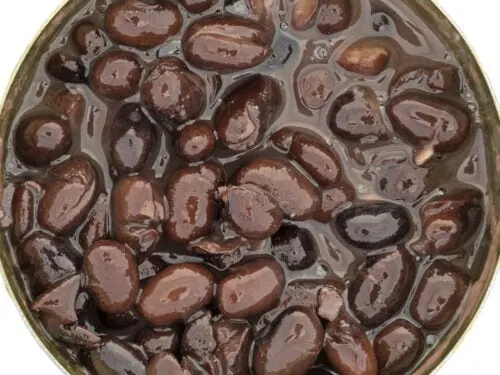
[[234, 339], [97, 226], [66, 67], [196, 142], [303, 13], [315, 86], [73, 335], [164, 364], [89, 39], [334, 199], [334, 16], [366, 58], [24, 203], [197, 6], [294, 246], [158, 340]]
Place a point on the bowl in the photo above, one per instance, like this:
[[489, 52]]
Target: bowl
[[490, 248]]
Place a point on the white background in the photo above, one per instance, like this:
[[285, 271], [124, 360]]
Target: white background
[[478, 19]]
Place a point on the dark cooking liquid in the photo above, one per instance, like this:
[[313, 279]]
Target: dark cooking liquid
[[364, 109]]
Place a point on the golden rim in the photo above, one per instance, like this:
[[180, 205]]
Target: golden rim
[[449, 33]]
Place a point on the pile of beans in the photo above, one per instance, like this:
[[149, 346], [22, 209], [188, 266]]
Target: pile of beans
[[247, 187]]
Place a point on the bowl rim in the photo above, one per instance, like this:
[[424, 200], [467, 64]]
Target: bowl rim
[[444, 27]]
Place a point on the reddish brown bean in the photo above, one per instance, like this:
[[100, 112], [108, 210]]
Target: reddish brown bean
[[97, 226], [191, 197], [66, 67], [402, 181], [334, 16], [137, 23], [334, 199], [315, 86], [42, 139], [164, 364], [69, 195], [398, 346], [349, 349], [449, 221], [251, 290], [70, 105], [294, 246], [247, 112], [382, 287], [252, 211], [330, 303], [296, 196], [265, 11], [122, 320], [317, 159], [156, 341], [132, 140], [176, 293], [225, 43], [303, 12], [116, 75], [435, 79], [112, 276], [138, 210], [355, 115], [59, 300], [197, 6], [89, 39], [196, 142], [439, 295], [73, 335], [46, 260], [114, 357], [234, 339], [367, 58], [425, 120], [24, 201], [173, 93], [294, 342]]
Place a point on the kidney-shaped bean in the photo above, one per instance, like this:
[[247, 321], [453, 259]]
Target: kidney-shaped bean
[[176, 293], [251, 290], [294, 342], [296, 196], [24, 203], [191, 197], [382, 287], [69, 195], [225, 43], [247, 112], [112, 276]]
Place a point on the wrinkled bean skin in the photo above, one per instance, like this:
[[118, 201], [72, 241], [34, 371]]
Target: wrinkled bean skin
[[334, 199], [247, 113], [330, 303], [68, 196], [196, 142], [176, 293], [59, 300], [251, 290], [315, 87], [349, 349], [439, 295], [115, 357], [398, 346], [234, 339], [355, 115], [225, 43], [69, 104], [365, 58], [188, 220], [24, 200], [89, 39], [296, 196], [137, 23], [294, 246], [252, 211], [73, 335], [316, 158], [303, 12], [439, 79], [116, 75], [425, 120], [197, 6], [298, 333], [164, 364], [449, 221], [47, 260], [132, 140], [138, 210], [97, 226], [42, 139], [334, 16], [112, 276], [382, 287], [156, 341], [66, 67], [373, 226], [173, 93]]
